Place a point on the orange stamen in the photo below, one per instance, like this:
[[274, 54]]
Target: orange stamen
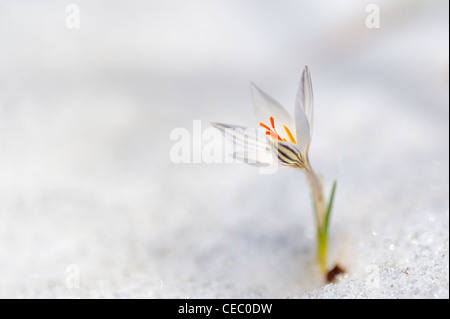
[[265, 126], [272, 132], [275, 135], [291, 137]]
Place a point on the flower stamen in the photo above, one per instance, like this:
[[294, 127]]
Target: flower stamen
[[291, 137], [272, 122], [272, 131]]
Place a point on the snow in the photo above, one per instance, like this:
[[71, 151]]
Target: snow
[[91, 206]]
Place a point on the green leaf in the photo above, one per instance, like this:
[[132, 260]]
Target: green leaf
[[330, 207]]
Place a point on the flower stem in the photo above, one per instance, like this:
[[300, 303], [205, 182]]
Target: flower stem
[[320, 210], [323, 212], [322, 250], [318, 197]]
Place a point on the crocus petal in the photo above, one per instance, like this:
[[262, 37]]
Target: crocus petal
[[288, 154], [304, 110], [266, 106], [246, 137], [260, 159], [305, 95]]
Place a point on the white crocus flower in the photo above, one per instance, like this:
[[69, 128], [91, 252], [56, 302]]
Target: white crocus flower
[[289, 140]]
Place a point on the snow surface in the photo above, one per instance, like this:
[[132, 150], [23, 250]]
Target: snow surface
[[91, 206]]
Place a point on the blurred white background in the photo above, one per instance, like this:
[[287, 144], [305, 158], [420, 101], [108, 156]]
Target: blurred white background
[[85, 173]]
